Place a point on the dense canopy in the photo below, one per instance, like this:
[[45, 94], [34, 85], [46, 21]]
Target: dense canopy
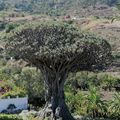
[[53, 43]]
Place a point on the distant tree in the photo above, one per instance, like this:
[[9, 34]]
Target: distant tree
[[112, 2], [118, 4], [24, 6], [2, 5], [56, 48]]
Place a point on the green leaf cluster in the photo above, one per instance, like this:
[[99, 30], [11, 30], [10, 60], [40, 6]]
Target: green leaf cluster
[[55, 41]]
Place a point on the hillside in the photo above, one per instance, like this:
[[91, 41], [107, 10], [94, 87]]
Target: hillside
[[59, 7]]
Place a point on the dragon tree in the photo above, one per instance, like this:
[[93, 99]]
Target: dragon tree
[[57, 48]]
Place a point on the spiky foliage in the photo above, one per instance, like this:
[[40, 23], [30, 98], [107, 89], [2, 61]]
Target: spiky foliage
[[96, 106], [114, 108]]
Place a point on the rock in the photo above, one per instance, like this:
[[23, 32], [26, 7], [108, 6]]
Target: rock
[[77, 117], [50, 106], [25, 114], [33, 112], [24, 111]]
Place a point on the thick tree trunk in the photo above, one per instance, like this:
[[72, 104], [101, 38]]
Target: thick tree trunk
[[55, 97], [59, 107]]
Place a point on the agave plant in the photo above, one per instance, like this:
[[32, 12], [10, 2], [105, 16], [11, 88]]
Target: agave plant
[[114, 107], [108, 81], [70, 100], [96, 106], [81, 103]]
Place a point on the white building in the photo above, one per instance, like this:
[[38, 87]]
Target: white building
[[19, 103]]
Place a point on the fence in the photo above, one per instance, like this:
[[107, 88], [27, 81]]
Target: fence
[[19, 103]]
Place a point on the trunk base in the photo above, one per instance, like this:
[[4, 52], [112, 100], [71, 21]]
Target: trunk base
[[61, 113], [46, 112]]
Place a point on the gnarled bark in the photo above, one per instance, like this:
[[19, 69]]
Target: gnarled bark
[[55, 98]]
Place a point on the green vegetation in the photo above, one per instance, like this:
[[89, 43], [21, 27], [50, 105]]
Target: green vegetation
[[81, 100], [10, 27], [92, 105], [51, 7], [14, 93], [114, 107], [21, 81], [9, 117], [66, 48], [84, 80]]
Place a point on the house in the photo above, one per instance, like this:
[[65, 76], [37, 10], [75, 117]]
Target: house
[[13, 105]]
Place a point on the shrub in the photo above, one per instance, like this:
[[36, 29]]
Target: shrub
[[3, 62], [71, 101], [114, 107], [83, 81], [81, 103], [31, 80], [9, 117], [11, 69], [11, 106], [77, 102], [87, 103], [96, 106], [14, 93], [10, 27], [108, 82], [2, 26]]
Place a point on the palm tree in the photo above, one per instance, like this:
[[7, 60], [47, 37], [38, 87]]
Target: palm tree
[[109, 82], [81, 103], [96, 106], [114, 107]]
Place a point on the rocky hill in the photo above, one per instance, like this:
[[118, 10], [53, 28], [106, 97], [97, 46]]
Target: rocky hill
[[61, 7]]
